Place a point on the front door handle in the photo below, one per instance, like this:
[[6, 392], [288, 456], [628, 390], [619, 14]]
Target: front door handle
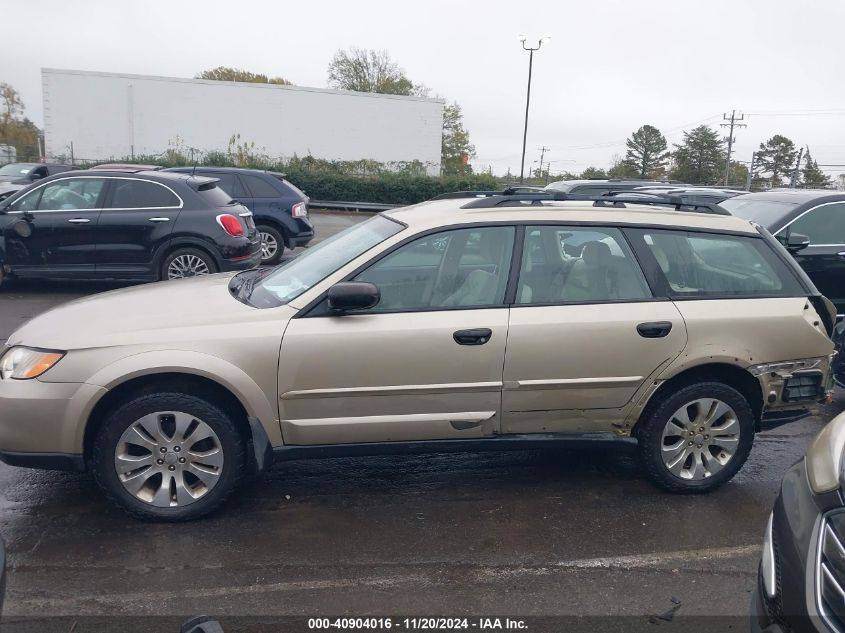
[[654, 329], [159, 219], [841, 254], [477, 336], [79, 220]]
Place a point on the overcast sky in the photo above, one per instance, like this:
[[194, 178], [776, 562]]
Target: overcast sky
[[611, 65]]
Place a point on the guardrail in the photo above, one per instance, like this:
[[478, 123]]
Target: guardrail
[[351, 206]]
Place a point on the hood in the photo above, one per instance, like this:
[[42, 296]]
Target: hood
[[151, 313]]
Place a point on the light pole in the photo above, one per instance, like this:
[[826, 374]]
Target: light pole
[[530, 49]]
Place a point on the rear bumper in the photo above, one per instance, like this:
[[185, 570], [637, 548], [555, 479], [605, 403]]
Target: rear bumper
[[240, 261], [302, 239]]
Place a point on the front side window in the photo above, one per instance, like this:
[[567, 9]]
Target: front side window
[[823, 225], [562, 264], [701, 265], [141, 194], [70, 194], [458, 268]]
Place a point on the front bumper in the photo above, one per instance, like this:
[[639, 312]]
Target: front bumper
[[796, 521], [43, 423]]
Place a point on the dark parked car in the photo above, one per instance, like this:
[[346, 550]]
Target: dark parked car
[[129, 224], [601, 187], [801, 582], [695, 194], [280, 209], [817, 214], [25, 173]]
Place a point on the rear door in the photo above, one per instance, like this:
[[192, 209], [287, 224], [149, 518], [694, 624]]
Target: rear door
[[53, 230], [824, 259], [585, 331], [135, 225]]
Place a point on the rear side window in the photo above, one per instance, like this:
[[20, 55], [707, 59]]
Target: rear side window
[[214, 196], [229, 183], [141, 194], [823, 225], [706, 265], [258, 187]]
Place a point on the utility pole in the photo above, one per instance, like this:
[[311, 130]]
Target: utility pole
[[731, 124], [750, 172], [794, 180], [543, 151]]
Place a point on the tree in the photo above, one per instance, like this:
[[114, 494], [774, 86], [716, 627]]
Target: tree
[[700, 157], [15, 129], [811, 175], [456, 149], [367, 70], [621, 169], [593, 173], [776, 158], [647, 153], [739, 175], [224, 73]]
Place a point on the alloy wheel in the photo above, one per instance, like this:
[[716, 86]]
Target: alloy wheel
[[269, 246], [187, 266], [700, 438], [169, 459]]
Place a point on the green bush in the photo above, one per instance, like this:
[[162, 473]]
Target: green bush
[[352, 181]]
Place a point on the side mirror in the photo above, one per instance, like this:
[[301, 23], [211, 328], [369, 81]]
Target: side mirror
[[353, 295], [796, 242]]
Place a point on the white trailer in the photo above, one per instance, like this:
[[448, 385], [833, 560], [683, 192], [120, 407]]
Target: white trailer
[[105, 116]]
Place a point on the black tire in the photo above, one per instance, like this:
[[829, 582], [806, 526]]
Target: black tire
[[187, 253], [276, 235], [659, 413], [120, 419]]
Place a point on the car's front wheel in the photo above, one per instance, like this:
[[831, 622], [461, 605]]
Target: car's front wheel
[[272, 244], [168, 457], [696, 438]]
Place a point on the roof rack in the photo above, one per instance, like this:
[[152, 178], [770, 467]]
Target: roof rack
[[513, 189], [505, 199]]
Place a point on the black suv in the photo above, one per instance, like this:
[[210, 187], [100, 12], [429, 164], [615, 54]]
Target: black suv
[[125, 224], [280, 209]]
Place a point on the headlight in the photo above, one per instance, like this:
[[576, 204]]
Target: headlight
[[23, 363], [824, 457]]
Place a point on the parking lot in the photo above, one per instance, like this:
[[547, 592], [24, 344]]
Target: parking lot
[[532, 533]]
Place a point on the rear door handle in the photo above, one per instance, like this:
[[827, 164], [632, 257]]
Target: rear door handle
[[841, 254], [159, 219], [79, 220], [654, 329], [477, 336]]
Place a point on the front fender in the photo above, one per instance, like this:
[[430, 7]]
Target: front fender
[[255, 401]]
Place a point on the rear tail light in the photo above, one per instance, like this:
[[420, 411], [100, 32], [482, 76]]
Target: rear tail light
[[231, 224], [299, 210]]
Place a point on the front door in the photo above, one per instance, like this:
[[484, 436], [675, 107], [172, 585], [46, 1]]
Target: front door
[[135, 226], [52, 229], [824, 259], [424, 364], [584, 333]]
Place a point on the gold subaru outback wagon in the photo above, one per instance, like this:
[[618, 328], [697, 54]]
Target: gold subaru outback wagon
[[508, 321]]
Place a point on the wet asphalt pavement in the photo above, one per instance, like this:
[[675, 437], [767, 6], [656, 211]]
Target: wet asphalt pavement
[[522, 533]]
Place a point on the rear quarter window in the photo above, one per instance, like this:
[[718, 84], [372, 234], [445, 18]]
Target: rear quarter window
[[258, 187], [214, 196], [701, 265]]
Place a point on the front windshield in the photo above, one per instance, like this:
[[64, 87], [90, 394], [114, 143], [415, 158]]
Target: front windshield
[[291, 279], [15, 169], [766, 213]]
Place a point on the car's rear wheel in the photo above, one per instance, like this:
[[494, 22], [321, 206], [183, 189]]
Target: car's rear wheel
[[272, 244], [187, 262], [696, 438], [168, 457]]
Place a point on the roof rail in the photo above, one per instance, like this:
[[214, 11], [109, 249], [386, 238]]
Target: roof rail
[[513, 189], [619, 202]]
